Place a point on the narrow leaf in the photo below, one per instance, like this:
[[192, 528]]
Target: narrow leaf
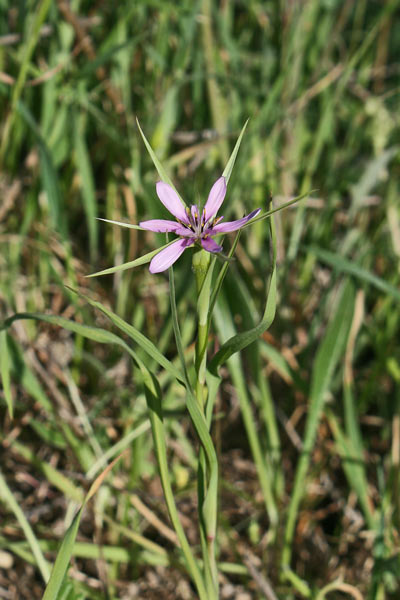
[[142, 260], [221, 276], [231, 162], [96, 334], [242, 340], [225, 326], [121, 224], [136, 336], [67, 546], [328, 356], [354, 467], [153, 398], [101, 335], [48, 172], [87, 185], [346, 266], [279, 208], [7, 496], [99, 480], [53, 476], [160, 169], [5, 372]]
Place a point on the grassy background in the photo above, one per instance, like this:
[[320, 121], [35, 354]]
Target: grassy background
[[319, 80]]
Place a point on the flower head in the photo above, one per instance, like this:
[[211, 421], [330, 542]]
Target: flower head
[[191, 225]]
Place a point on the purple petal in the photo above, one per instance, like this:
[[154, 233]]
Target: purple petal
[[171, 201], [184, 232], [164, 226], [211, 246], [232, 225], [164, 259], [215, 198], [160, 225]]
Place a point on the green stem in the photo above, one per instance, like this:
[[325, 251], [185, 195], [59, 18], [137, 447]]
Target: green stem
[[207, 466], [210, 568], [157, 425], [202, 268], [207, 494]]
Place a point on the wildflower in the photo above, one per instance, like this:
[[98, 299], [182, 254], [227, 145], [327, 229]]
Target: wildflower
[[191, 226]]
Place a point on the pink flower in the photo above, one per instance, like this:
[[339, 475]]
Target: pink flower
[[190, 225]]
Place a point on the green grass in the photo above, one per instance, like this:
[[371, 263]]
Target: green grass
[[307, 421]]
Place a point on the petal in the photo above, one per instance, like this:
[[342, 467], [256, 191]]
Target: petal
[[215, 198], [164, 259], [160, 225], [171, 201], [210, 245], [184, 232], [164, 226], [232, 225]]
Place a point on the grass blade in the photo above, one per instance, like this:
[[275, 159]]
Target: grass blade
[[67, 546], [8, 497], [344, 265], [32, 38], [354, 468], [136, 336], [121, 224], [327, 358], [153, 398], [53, 476], [5, 372], [101, 335], [278, 209], [142, 260], [160, 169], [225, 326], [242, 340], [48, 172], [221, 276], [231, 162], [87, 185]]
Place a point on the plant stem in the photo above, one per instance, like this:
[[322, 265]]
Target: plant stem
[[156, 419], [203, 271], [203, 267]]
